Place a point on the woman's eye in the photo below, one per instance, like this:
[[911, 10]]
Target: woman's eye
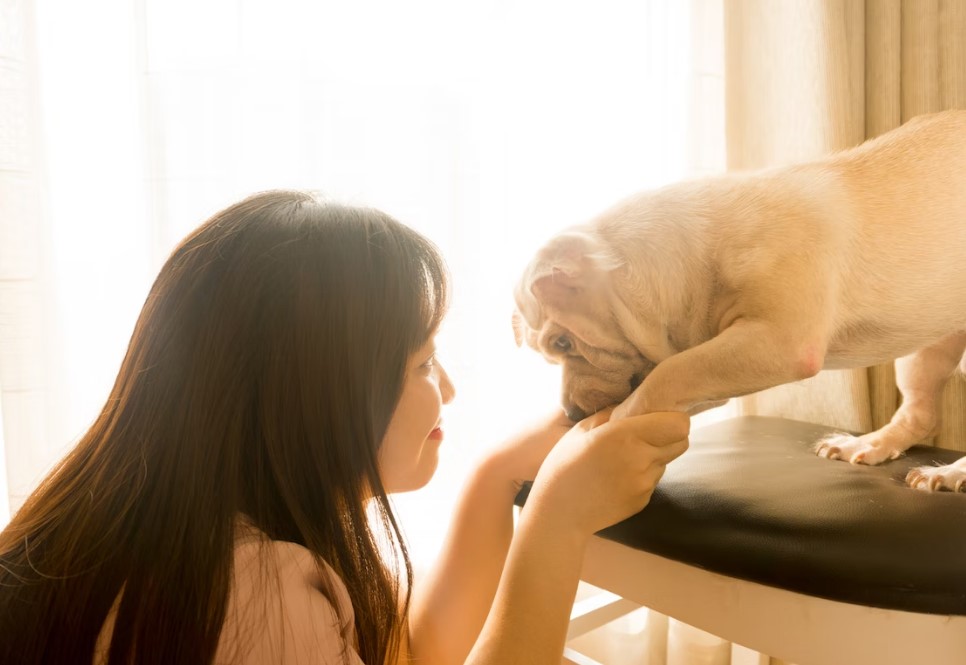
[[430, 363], [562, 344]]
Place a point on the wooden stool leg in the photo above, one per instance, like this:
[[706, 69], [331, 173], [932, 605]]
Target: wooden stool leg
[[571, 657], [744, 656]]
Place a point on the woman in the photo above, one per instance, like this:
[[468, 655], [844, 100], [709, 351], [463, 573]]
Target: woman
[[229, 504]]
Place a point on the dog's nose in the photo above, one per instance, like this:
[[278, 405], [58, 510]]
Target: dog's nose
[[636, 380], [574, 413]]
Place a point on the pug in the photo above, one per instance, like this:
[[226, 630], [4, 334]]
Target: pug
[[681, 298]]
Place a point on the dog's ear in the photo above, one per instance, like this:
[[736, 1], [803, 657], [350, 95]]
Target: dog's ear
[[518, 324], [555, 289], [568, 263]]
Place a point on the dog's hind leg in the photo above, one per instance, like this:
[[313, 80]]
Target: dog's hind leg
[[949, 476], [920, 377]]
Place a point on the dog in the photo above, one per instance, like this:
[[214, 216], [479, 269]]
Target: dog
[[680, 298]]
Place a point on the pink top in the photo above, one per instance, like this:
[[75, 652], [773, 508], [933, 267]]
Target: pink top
[[277, 613]]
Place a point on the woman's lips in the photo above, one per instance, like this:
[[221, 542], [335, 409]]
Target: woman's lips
[[436, 433]]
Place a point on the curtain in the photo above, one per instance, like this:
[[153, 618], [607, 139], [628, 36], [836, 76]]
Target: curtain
[[24, 261], [805, 77]]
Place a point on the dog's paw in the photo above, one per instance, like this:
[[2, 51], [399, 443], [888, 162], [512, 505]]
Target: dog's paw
[[854, 449], [934, 478]]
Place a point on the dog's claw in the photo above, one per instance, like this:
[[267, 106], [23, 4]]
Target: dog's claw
[[823, 449], [855, 450], [951, 477]]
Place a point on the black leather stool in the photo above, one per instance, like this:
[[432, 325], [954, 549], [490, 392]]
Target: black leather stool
[[752, 537]]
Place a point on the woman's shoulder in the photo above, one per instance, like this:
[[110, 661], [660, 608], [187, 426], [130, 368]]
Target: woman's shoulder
[[293, 567], [285, 606]]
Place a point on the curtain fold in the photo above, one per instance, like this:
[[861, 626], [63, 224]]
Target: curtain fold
[[793, 80], [806, 77]]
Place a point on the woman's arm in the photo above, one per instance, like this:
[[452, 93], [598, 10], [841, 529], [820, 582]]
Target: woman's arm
[[499, 596], [450, 604]]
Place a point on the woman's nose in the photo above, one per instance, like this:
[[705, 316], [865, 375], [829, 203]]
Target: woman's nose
[[446, 388]]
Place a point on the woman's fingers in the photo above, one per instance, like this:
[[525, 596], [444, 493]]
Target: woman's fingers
[[670, 451], [659, 428], [604, 471], [594, 420]]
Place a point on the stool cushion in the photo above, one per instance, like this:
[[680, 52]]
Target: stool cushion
[[750, 500]]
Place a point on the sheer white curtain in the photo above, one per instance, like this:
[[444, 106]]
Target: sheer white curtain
[[486, 126]]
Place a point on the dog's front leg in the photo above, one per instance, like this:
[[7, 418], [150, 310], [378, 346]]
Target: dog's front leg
[[748, 356]]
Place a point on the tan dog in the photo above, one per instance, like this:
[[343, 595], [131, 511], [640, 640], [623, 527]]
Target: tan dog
[[681, 298]]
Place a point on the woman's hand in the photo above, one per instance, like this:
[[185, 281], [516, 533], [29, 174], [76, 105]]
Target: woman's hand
[[602, 472], [597, 474], [518, 459]]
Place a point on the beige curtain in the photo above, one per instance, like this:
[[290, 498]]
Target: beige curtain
[[805, 77]]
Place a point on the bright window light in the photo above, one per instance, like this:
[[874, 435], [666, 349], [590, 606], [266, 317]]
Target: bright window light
[[486, 126]]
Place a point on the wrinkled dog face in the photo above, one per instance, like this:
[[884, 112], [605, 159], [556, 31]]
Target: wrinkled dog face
[[564, 312]]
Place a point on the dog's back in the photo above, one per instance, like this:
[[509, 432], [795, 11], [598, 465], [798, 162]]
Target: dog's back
[[908, 193]]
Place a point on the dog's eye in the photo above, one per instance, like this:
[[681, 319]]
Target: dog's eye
[[562, 344]]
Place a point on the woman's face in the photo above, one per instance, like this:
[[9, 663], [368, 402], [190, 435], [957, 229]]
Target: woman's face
[[410, 449]]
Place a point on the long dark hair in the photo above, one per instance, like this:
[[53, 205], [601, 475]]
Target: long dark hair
[[260, 379]]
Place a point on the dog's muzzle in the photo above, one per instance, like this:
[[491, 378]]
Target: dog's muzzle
[[575, 413], [636, 380]]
